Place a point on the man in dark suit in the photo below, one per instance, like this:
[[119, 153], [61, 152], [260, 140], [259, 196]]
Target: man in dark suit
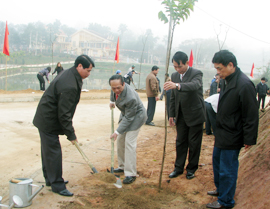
[[133, 116], [187, 108], [54, 117]]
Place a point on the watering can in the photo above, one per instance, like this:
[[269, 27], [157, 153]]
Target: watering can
[[23, 188]]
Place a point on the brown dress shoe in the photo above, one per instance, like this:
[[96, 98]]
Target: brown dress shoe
[[213, 193], [215, 205]]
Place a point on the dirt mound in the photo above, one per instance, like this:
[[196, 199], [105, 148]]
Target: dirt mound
[[254, 170], [99, 192]]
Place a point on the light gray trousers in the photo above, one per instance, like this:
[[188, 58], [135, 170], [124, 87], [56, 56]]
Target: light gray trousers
[[126, 152]]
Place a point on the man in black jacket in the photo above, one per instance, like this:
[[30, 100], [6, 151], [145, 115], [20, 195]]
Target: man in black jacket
[[54, 117], [262, 90], [236, 126]]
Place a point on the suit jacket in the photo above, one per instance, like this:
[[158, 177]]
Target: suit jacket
[[189, 99], [133, 113], [58, 104]]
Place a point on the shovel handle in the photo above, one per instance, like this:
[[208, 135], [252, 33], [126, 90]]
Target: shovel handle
[[85, 158], [112, 142]]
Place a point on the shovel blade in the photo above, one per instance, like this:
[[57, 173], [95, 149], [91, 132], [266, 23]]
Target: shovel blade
[[118, 183]]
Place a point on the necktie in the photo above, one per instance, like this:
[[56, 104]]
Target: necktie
[[116, 96]]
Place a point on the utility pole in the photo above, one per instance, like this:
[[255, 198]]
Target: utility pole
[[52, 48], [36, 44]]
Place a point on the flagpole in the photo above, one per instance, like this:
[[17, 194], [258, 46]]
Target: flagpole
[[113, 67], [116, 54], [6, 72]]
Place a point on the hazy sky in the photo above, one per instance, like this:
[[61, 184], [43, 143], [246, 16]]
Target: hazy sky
[[247, 21]]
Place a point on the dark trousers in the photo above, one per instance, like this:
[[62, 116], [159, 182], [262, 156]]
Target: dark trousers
[[225, 167], [41, 82], [51, 156], [261, 97], [151, 108], [127, 80], [188, 139], [210, 119]]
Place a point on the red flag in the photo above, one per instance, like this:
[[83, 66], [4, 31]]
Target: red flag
[[117, 52], [191, 59], [6, 46], [251, 74]]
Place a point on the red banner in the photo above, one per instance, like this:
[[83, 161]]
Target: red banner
[[191, 59], [6, 46], [251, 73], [117, 52]]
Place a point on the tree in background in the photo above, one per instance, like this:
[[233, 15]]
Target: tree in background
[[101, 30], [122, 29], [218, 34], [204, 50]]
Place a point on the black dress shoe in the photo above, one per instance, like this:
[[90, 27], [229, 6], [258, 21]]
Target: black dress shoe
[[65, 192], [118, 170], [213, 193], [129, 179], [190, 175], [215, 204], [49, 184], [150, 124], [175, 174]]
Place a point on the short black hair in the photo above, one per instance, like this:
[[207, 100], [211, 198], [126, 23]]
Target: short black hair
[[117, 77], [84, 60], [224, 57], [49, 69], [180, 56], [263, 79], [155, 67]]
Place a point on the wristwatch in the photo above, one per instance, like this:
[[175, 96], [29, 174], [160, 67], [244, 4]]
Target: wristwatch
[[177, 85]]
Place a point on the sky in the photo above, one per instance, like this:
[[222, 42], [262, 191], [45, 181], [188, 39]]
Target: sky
[[246, 22]]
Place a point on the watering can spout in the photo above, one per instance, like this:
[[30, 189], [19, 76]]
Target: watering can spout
[[36, 192]]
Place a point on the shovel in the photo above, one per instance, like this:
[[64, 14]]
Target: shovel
[[85, 158], [112, 141], [118, 183]]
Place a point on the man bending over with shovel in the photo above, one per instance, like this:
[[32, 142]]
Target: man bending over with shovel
[[54, 117], [133, 116]]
